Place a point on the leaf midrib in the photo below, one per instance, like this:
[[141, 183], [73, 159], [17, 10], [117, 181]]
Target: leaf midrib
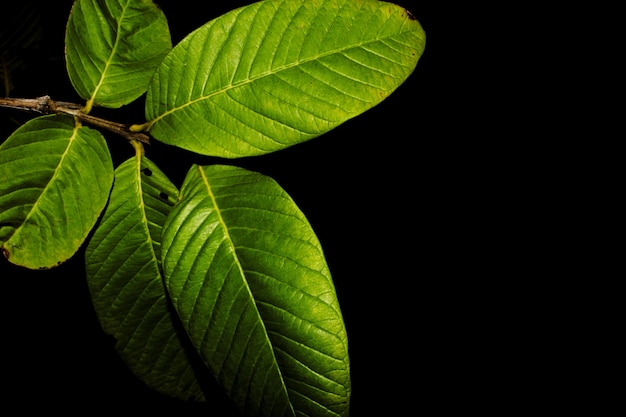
[[269, 73], [142, 205], [53, 178], [209, 190], [108, 62]]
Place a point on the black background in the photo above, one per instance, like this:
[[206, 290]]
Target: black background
[[387, 194]]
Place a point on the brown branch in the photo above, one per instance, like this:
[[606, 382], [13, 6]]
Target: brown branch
[[45, 105]]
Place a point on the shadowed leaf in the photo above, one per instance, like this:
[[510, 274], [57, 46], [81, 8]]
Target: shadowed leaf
[[124, 277]]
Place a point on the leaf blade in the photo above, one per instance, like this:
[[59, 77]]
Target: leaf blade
[[126, 284], [280, 72], [127, 40], [250, 283], [57, 181]]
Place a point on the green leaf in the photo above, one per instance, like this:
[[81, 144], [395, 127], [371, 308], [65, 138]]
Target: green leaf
[[113, 47], [56, 178], [125, 281], [280, 72], [250, 283]]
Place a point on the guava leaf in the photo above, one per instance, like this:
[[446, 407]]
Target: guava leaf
[[249, 281], [56, 178], [123, 263], [112, 48], [279, 72]]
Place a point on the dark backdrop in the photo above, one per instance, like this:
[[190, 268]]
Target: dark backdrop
[[380, 192]]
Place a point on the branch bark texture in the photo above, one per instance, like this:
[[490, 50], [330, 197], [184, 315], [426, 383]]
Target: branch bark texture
[[45, 105]]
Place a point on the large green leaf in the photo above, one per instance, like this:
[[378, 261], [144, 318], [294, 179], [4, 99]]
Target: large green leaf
[[279, 72], [113, 47], [249, 280], [124, 277], [56, 177]]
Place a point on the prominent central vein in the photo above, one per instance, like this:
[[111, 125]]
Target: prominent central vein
[[50, 186], [272, 71], [107, 64], [242, 274]]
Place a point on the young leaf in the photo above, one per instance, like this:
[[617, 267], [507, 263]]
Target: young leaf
[[280, 72], [56, 178], [125, 281], [113, 47], [249, 280]]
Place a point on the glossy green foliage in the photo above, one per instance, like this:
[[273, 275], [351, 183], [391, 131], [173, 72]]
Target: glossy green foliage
[[249, 281], [124, 276], [280, 72], [226, 276], [113, 47], [56, 178]]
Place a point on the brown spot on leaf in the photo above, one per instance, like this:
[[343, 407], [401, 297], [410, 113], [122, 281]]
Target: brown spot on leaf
[[6, 253], [163, 196], [147, 172], [410, 15]]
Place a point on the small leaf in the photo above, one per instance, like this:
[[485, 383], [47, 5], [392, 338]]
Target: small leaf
[[56, 179], [113, 48], [250, 283], [124, 277], [280, 72]]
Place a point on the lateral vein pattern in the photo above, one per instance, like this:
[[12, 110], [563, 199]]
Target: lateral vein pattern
[[279, 72], [248, 278]]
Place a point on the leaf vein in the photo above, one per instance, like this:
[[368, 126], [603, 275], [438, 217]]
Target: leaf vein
[[261, 75]]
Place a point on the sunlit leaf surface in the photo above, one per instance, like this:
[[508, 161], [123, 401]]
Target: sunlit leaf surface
[[55, 181], [249, 280], [280, 72], [113, 47]]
